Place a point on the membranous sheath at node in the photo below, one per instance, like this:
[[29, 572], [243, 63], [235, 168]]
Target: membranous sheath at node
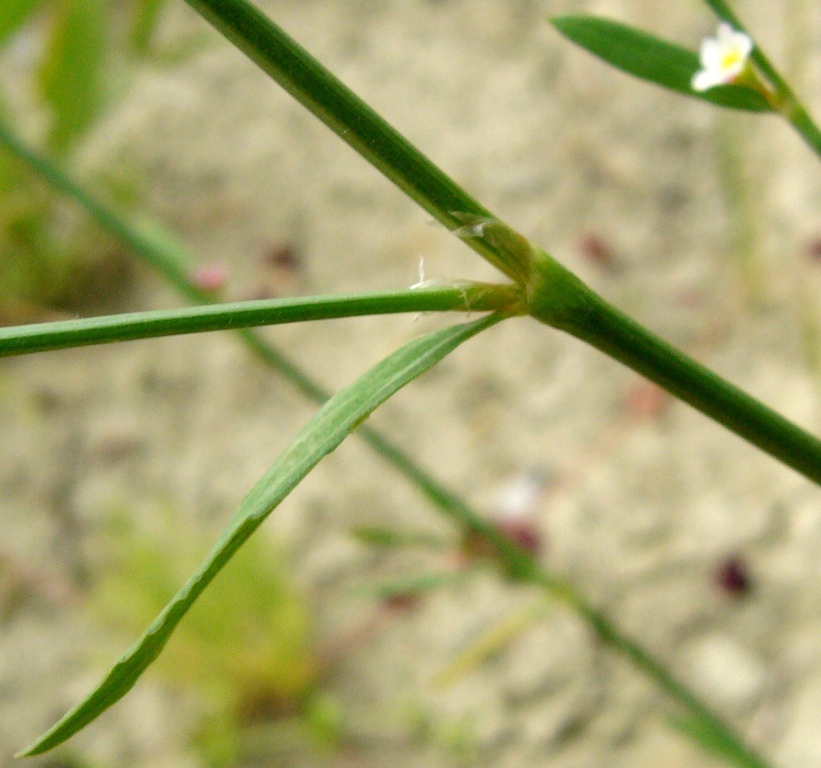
[[512, 253], [554, 295]]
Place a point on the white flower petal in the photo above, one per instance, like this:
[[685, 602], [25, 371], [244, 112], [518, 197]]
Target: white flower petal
[[705, 79], [711, 53], [725, 33], [744, 44], [723, 58]]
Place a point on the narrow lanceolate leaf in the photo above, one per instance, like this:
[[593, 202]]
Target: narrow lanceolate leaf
[[356, 123], [650, 58], [41, 337], [331, 425], [72, 75], [711, 736], [384, 537], [143, 25]]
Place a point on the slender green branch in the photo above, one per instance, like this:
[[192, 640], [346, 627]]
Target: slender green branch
[[733, 745], [132, 234], [802, 121], [352, 120], [615, 334], [558, 298], [466, 297], [520, 564]]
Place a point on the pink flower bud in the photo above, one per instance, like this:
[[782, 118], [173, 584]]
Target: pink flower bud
[[210, 278]]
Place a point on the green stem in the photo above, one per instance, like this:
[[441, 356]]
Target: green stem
[[132, 234], [617, 335], [731, 742], [467, 297], [351, 119], [558, 298], [801, 120]]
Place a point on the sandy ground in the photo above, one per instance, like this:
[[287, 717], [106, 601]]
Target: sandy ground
[[638, 500]]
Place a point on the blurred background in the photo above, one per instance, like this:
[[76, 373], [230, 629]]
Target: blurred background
[[120, 464]]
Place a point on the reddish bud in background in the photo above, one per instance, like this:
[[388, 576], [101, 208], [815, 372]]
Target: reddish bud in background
[[598, 251], [522, 532], [210, 278], [814, 249], [517, 509], [733, 577], [645, 400], [281, 266], [402, 602], [284, 256]]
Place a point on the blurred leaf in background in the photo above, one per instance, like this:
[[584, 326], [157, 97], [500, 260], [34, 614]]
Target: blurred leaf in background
[[71, 75], [15, 14], [144, 21], [67, 63]]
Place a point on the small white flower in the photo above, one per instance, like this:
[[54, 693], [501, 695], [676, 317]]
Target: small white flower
[[723, 58]]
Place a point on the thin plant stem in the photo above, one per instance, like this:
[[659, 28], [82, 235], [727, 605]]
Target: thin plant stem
[[561, 300], [617, 336], [132, 234], [40, 337], [316, 88], [608, 633]]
